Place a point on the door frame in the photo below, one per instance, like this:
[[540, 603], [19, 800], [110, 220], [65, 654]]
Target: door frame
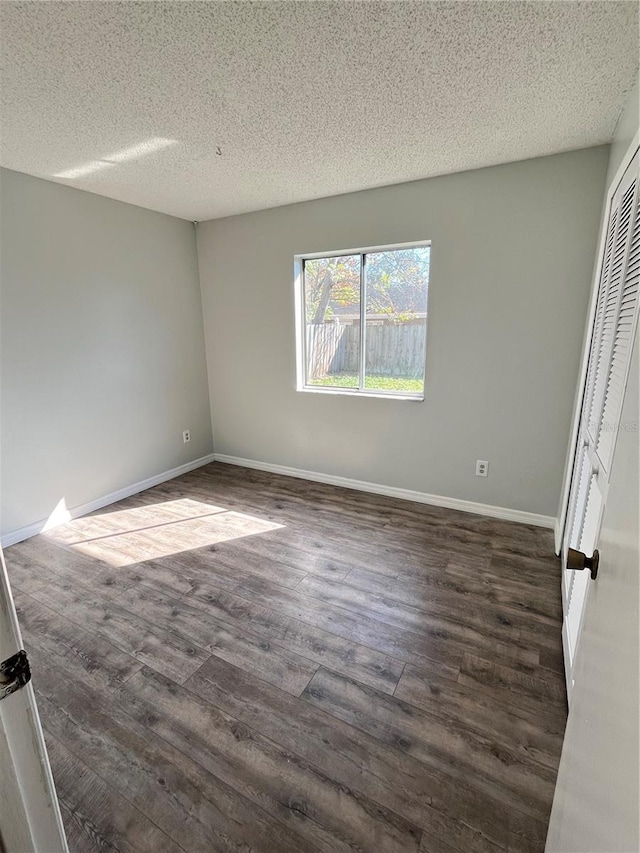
[[573, 452], [561, 520], [24, 745]]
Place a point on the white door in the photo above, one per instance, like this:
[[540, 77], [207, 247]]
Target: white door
[[608, 366], [30, 820]]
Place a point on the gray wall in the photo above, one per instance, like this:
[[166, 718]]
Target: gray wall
[[102, 347], [512, 257]]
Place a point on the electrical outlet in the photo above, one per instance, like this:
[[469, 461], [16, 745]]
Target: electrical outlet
[[482, 468], [186, 436]]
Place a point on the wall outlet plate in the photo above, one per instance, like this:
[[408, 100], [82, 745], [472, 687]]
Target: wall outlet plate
[[482, 468], [186, 435]]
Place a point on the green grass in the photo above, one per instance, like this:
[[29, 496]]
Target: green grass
[[372, 383]]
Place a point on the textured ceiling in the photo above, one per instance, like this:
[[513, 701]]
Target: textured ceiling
[[303, 99]]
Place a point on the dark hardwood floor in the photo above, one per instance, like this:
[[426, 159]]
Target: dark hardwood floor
[[237, 661]]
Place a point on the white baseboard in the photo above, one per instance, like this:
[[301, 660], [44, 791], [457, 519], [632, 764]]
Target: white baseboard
[[83, 509], [360, 485], [392, 492]]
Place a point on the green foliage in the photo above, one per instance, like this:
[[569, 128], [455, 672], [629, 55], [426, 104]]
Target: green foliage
[[331, 286], [379, 383], [397, 282], [396, 285]]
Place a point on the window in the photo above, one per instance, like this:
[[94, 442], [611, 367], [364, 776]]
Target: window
[[362, 321]]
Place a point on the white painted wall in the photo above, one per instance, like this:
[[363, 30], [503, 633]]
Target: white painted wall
[[102, 347], [511, 264], [596, 808]]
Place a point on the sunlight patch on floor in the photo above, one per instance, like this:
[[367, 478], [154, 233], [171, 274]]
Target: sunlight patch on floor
[[142, 533]]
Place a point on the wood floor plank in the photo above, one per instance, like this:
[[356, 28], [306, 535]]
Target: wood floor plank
[[447, 806], [492, 632], [513, 684], [509, 574], [24, 575], [227, 566], [371, 512], [430, 582], [98, 817], [528, 836], [258, 656], [46, 633], [393, 611], [430, 844], [374, 513], [101, 668], [164, 650], [219, 671], [436, 648], [328, 814], [238, 645], [178, 575], [314, 644], [194, 808], [504, 724], [439, 592], [193, 618], [552, 660], [419, 524], [327, 532], [502, 623], [272, 549], [432, 741], [538, 546], [60, 562]]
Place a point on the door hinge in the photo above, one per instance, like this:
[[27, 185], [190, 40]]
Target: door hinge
[[14, 674]]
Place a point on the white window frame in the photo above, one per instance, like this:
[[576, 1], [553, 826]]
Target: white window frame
[[300, 318]]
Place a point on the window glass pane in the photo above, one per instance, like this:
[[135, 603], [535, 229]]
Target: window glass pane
[[396, 286], [332, 321]]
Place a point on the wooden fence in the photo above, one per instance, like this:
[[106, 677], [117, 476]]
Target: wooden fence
[[392, 349]]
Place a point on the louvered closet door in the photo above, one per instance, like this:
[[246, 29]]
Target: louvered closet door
[[615, 323]]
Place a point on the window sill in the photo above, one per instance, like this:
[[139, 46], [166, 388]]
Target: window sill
[[356, 392]]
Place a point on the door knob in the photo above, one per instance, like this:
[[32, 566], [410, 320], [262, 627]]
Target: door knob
[[577, 560]]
